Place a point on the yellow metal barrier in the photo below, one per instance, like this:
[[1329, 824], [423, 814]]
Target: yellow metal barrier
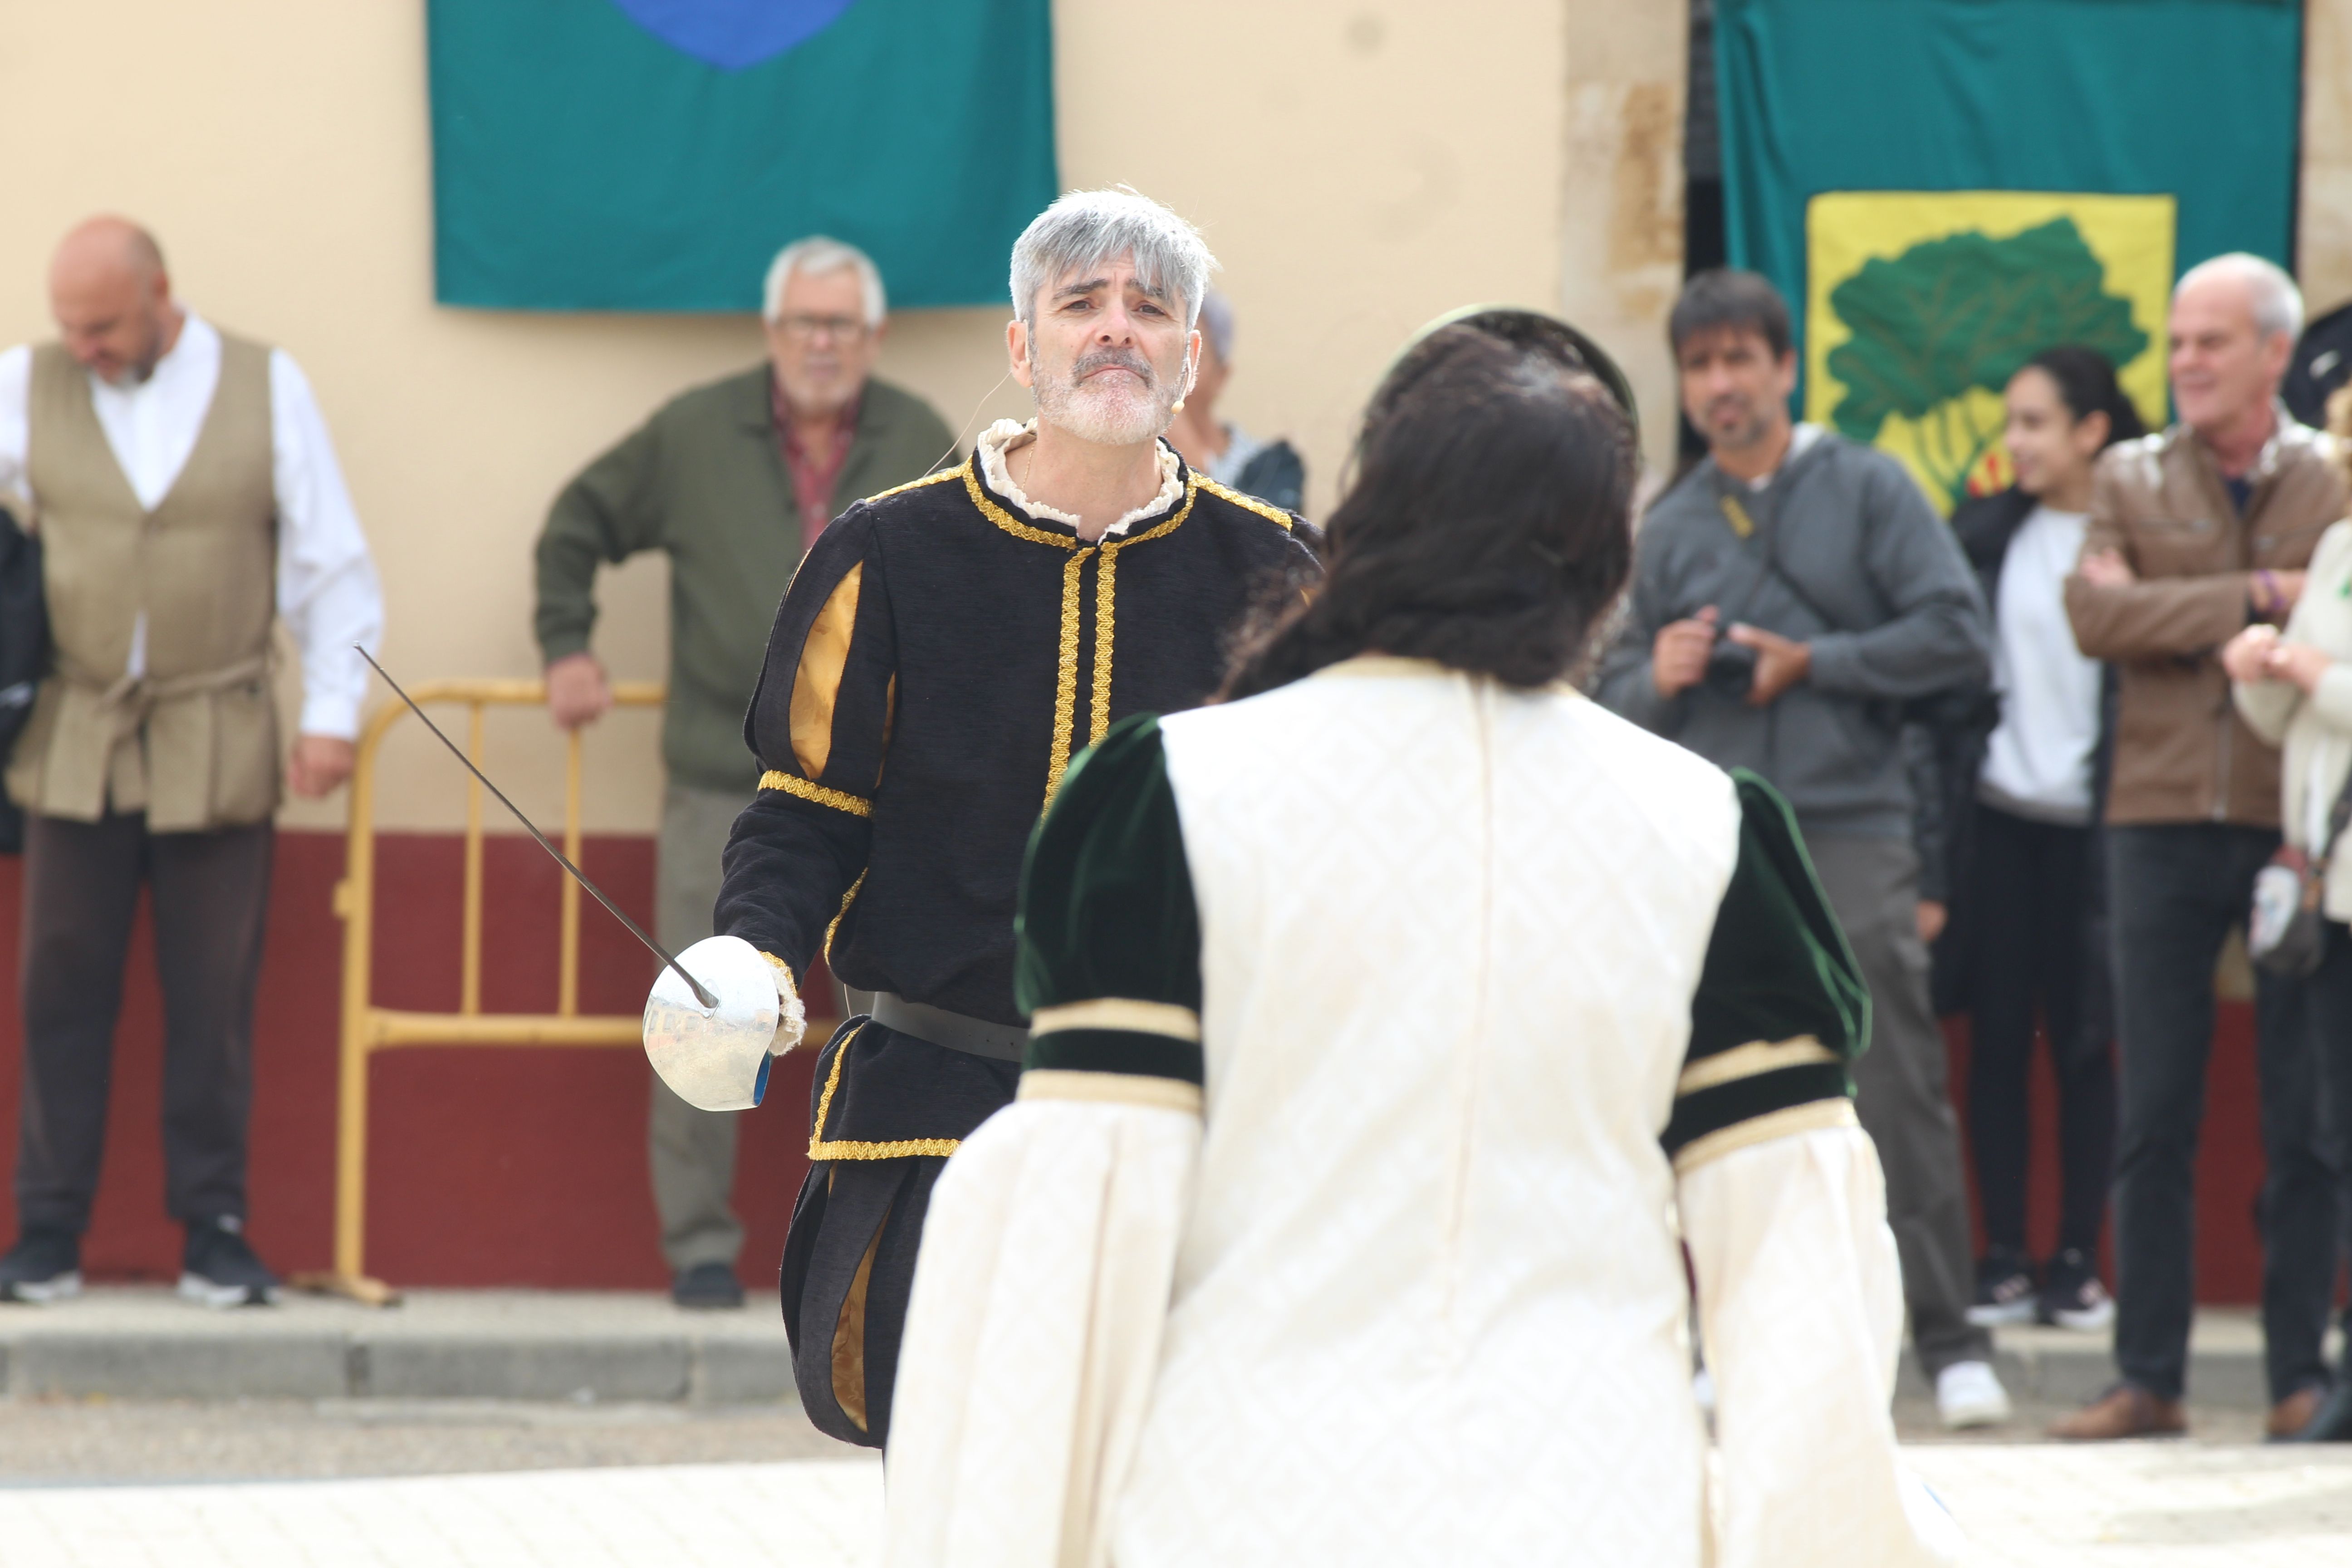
[[368, 1028]]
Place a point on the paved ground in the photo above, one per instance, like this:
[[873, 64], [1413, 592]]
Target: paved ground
[[105, 1485], [604, 1346], [2147, 1505], [101, 1442], [649, 1435], [823, 1513], [2150, 1506]]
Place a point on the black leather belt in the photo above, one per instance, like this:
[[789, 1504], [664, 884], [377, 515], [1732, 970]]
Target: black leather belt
[[938, 1027]]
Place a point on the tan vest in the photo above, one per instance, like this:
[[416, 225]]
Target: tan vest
[[194, 741]]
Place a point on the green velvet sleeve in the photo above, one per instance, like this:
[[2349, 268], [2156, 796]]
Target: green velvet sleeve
[[1781, 1008], [1108, 964]]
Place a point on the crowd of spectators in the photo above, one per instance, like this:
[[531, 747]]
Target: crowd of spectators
[[2042, 757], [2013, 741]]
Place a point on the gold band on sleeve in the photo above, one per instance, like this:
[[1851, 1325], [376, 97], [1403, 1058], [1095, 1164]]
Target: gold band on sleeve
[[817, 792], [1813, 1116], [1111, 1089], [1119, 1013], [1747, 1061]]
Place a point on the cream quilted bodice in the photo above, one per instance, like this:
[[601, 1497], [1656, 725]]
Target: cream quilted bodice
[[1534, 882]]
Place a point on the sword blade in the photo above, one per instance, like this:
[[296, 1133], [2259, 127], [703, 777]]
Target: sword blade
[[701, 994]]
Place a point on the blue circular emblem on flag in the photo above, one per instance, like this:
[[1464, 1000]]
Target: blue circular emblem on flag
[[733, 34]]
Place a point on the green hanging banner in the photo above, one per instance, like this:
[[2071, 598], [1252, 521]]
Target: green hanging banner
[[1943, 188], [654, 154]]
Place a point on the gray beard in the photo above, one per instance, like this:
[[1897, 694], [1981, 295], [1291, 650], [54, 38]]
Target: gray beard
[[1122, 418]]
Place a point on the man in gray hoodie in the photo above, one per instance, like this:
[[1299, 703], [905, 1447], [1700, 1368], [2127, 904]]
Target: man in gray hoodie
[[1792, 595]]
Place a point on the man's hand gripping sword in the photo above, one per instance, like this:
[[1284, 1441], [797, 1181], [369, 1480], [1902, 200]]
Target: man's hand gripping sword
[[712, 1044]]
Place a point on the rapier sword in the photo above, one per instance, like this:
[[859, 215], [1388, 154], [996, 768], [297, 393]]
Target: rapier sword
[[701, 993]]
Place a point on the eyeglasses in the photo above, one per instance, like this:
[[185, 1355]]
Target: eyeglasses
[[808, 328]]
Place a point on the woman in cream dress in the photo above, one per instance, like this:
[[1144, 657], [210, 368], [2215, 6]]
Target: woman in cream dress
[[2294, 689], [1396, 1027]]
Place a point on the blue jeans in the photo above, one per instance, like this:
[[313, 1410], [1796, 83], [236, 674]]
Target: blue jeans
[[2177, 890]]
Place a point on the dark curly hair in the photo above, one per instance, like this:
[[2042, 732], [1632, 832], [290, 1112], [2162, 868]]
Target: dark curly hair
[[1488, 526]]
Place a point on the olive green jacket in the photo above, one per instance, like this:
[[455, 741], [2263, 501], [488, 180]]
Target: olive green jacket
[[702, 480]]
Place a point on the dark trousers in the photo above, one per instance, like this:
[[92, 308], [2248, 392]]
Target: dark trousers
[[2032, 898], [211, 892], [2177, 890], [2329, 995], [1902, 1091]]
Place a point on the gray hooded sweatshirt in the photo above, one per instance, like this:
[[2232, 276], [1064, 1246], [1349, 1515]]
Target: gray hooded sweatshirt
[[1868, 574]]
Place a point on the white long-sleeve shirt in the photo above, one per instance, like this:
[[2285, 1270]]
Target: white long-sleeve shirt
[[327, 588]]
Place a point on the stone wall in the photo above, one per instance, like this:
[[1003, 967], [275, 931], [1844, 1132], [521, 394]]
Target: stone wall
[[2324, 239], [1621, 232]]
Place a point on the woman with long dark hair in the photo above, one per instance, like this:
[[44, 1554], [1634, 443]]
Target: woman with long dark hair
[[1395, 1024], [2027, 939]]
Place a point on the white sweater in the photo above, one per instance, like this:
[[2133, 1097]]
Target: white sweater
[[2316, 730]]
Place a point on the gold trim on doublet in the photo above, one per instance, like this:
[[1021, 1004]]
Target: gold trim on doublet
[[1065, 679], [1066, 675], [1748, 1060], [917, 484], [842, 913], [1273, 515], [1811, 1116], [1119, 1013], [817, 792], [822, 1148], [1111, 1089]]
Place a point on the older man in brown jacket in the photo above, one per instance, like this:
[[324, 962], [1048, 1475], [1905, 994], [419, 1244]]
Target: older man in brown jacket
[[2195, 534]]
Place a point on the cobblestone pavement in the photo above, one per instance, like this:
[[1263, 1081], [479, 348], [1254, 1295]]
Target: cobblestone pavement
[[114, 1486]]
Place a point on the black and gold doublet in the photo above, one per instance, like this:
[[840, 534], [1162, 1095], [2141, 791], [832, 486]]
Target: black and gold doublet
[[937, 661]]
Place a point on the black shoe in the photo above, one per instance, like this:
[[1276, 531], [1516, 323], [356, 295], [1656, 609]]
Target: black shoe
[[2333, 1421], [707, 1287], [2073, 1297], [2004, 1290], [220, 1269], [44, 1266]]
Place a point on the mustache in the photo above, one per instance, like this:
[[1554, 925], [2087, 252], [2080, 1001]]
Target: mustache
[[1106, 359]]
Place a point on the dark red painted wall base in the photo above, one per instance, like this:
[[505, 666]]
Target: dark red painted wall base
[[2228, 1169], [488, 1167], [526, 1167]]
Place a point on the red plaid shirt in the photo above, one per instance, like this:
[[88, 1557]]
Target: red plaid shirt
[[813, 481]]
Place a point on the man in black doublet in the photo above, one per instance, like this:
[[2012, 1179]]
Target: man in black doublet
[[945, 649]]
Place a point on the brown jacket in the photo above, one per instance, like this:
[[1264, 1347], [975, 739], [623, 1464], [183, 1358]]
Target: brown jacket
[[2183, 753]]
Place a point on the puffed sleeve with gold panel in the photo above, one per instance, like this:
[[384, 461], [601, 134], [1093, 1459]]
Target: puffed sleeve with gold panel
[[819, 725]]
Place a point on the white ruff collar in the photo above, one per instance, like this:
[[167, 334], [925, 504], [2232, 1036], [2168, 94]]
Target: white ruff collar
[[1007, 435]]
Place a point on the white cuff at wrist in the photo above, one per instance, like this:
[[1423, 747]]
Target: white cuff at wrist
[[792, 1017]]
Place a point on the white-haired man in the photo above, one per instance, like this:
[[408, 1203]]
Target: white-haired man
[[947, 649], [734, 481], [2194, 534]]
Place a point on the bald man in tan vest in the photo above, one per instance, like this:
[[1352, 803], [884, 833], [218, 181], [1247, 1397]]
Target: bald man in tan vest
[[186, 495]]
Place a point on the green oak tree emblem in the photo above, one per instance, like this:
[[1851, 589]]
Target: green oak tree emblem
[[1960, 312]]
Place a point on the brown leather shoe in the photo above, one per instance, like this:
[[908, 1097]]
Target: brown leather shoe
[[2126, 1410], [2293, 1414]]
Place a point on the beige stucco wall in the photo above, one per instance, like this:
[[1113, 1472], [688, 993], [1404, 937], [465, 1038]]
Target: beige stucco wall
[[2324, 224], [1358, 167]]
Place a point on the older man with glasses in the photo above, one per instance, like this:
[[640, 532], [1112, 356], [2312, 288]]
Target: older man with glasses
[[735, 480]]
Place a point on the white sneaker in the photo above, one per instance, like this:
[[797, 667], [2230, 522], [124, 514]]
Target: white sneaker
[[1969, 1395]]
